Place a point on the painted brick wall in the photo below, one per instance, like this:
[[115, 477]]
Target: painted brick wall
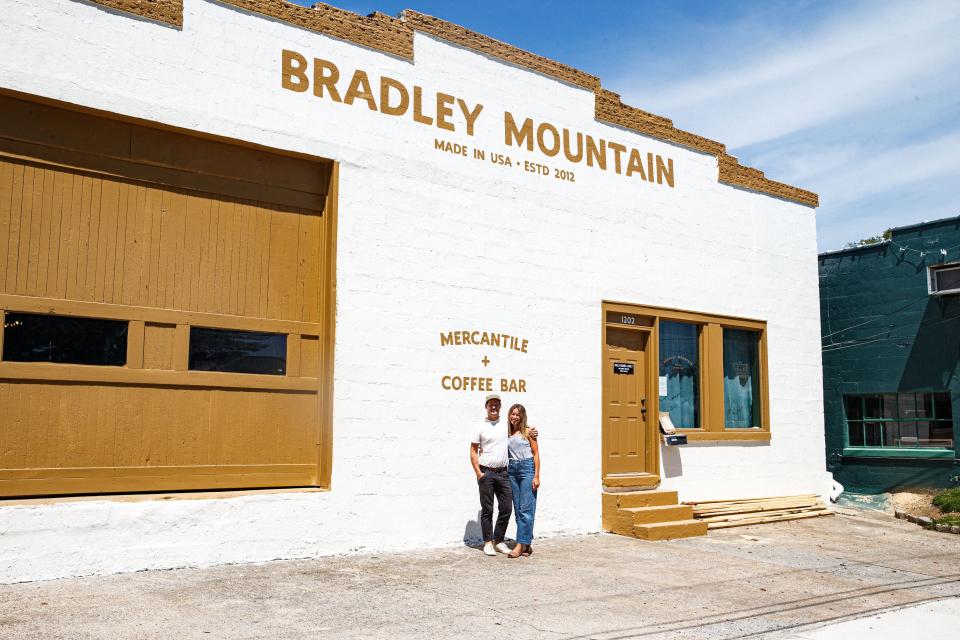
[[882, 334], [428, 243]]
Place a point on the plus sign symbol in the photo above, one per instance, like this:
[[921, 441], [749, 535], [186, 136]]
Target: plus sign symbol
[[485, 361]]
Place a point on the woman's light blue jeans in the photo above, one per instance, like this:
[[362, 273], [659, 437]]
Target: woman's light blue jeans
[[524, 498]]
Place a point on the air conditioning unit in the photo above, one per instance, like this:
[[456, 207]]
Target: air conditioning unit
[[944, 279]]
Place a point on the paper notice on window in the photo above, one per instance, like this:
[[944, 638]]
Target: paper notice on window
[[663, 386]]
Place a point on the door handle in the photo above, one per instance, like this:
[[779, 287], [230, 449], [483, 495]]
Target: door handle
[[643, 408]]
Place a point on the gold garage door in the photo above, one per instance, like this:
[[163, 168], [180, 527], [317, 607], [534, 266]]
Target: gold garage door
[[163, 299]]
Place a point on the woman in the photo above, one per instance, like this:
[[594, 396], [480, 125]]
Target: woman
[[524, 472]]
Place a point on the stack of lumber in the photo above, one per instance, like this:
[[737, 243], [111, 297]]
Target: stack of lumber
[[720, 514]]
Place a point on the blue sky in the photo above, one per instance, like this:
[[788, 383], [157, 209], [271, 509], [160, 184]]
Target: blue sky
[[857, 100]]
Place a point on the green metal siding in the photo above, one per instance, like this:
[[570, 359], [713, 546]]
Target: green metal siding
[[883, 333]]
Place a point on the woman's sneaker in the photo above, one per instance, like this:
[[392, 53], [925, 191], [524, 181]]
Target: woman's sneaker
[[488, 549], [502, 547]]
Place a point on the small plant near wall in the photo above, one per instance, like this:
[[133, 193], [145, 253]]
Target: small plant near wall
[[948, 501]]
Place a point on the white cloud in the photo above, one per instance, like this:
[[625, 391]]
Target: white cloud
[[863, 108], [874, 54]]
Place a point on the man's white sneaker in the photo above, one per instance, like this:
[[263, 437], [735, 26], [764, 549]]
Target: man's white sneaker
[[488, 549], [502, 547]]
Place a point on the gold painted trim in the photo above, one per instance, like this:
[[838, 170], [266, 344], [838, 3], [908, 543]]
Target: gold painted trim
[[191, 494], [713, 427], [376, 31], [651, 444], [60, 373], [508, 53], [165, 11], [640, 480], [328, 318], [107, 311]]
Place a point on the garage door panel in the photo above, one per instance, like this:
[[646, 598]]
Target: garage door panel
[[98, 237], [70, 235], [49, 426]]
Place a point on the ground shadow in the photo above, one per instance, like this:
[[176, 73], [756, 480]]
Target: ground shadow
[[472, 534], [671, 462]]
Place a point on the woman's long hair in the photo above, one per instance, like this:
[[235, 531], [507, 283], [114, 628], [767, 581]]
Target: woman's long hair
[[522, 427]]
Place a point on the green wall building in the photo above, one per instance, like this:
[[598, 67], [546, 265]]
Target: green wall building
[[890, 317]]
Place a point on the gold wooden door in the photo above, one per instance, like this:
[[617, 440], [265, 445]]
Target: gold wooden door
[[624, 402]]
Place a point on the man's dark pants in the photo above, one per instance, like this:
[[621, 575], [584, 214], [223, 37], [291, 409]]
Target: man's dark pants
[[495, 482]]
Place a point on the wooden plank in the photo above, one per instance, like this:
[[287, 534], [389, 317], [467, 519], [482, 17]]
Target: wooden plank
[[802, 495], [61, 194], [117, 269], [264, 281], [169, 239], [68, 277], [218, 233], [156, 207], [327, 284], [135, 333], [37, 282], [178, 282], [293, 355], [183, 478], [752, 516], [6, 201], [132, 259], [106, 239], [190, 269], [13, 233], [2, 331], [30, 176], [309, 356], [744, 523], [158, 346], [94, 249], [30, 304], [168, 178], [181, 347], [281, 294], [233, 263]]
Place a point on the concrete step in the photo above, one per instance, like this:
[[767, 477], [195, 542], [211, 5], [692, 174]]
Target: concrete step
[[670, 530], [622, 521], [665, 513], [631, 499]]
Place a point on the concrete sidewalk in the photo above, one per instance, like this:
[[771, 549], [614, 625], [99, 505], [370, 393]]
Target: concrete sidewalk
[[784, 580]]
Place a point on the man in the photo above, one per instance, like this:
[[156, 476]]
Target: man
[[488, 455]]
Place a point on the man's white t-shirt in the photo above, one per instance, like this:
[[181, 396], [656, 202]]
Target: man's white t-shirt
[[493, 440]]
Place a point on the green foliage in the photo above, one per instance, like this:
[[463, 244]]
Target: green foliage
[[886, 235], [948, 501], [950, 520]]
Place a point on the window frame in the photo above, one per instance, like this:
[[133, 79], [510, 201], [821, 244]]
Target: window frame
[[712, 419], [867, 451]]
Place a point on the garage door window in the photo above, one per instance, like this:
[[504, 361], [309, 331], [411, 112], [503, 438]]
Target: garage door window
[[29, 337], [238, 351]]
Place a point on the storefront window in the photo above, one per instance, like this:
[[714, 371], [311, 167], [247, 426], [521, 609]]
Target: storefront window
[[741, 379], [30, 337], [680, 370], [900, 420], [238, 351]]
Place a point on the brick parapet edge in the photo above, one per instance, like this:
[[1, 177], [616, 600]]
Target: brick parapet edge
[[395, 36], [165, 11]]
